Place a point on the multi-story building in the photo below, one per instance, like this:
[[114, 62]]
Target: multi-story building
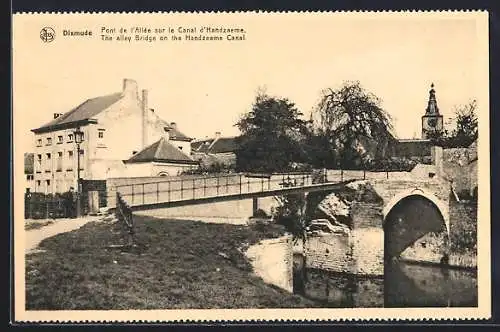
[[28, 172], [113, 128]]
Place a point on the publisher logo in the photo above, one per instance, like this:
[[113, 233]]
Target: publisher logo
[[47, 34]]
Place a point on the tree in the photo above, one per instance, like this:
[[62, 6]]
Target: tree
[[466, 125], [349, 120], [271, 135], [465, 131]]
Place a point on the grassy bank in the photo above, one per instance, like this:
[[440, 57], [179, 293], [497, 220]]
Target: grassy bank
[[178, 264]]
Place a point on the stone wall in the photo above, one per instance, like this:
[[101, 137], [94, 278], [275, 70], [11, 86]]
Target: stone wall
[[330, 252], [272, 260], [456, 168]]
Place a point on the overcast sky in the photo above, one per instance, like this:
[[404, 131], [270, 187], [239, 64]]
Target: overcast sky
[[206, 86]]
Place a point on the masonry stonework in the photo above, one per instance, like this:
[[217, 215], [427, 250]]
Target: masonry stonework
[[272, 260]]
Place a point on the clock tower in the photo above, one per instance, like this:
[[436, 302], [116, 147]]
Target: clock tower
[[432, 121]]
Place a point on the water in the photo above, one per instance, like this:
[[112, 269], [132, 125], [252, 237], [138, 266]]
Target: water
[[403, 285]]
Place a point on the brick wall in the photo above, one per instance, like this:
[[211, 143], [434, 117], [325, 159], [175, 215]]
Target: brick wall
[[272, 260]]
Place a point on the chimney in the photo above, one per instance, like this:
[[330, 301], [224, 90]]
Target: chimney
[[217, 134], [173, 125], [56, 115], [167, 133], [145, 111], [130, 88]]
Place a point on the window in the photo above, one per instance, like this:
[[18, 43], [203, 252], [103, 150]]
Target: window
[[81, 160], [38, 183], [70, 138], [29, 177], [47, 182], [49, 141], [100, 133], [70, 161], [59, 139], [39, 163], [59, 161], [39, 142], [48, 165]]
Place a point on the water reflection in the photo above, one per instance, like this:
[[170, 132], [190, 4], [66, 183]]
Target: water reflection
[[403, 285]]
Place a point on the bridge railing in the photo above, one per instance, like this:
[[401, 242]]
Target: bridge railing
[[207, 187], [198, 187], [123, 213]]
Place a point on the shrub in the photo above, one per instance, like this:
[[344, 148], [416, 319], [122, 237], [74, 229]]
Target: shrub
[[291, 214]]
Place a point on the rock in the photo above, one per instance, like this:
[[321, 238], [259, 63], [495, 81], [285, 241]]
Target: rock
[[333, 206]]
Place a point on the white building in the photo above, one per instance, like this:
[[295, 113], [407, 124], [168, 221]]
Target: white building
[[114, 127]]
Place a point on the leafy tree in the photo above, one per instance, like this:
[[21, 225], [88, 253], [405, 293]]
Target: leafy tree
[[466, 125], [465, 131], [271, 135], [349, 118], [291, 213]]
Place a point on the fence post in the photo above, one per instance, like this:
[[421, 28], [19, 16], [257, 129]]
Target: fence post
[[262, 183], [341, 175], [269, 183], [204, 186], [193, 189], [227, 184], [364, 174], [46, 208], [248, 184], [240, 184], [143, 197], [132, 195], [182, 189], [217, 186], [168, 190], [157, 192]]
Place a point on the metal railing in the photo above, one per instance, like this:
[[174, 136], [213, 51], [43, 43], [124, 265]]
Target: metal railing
[[208, 187], [204, 187], [124, 215]]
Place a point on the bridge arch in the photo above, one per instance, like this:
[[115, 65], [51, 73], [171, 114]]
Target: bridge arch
[[441, 206], [410, 215]]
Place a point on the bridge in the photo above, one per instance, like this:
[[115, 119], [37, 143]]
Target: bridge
[[202, 190], [414, 203]]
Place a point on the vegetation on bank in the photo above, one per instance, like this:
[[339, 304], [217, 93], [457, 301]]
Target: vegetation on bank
[[177, 264]]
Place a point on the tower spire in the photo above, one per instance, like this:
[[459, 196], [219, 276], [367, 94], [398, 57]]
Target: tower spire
[[432, 108]]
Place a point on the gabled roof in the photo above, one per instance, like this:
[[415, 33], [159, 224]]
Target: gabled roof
[[161, 151], [85, 111], [215, 145], [224, 145], [29, 163]]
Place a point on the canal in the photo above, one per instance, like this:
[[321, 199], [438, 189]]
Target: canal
[[403, 285]]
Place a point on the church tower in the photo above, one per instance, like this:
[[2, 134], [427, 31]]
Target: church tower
[[432, 121]]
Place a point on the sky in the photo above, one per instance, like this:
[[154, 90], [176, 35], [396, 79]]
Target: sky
[[205, 87]]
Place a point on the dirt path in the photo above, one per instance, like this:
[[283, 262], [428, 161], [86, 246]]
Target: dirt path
[[35, 236]]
